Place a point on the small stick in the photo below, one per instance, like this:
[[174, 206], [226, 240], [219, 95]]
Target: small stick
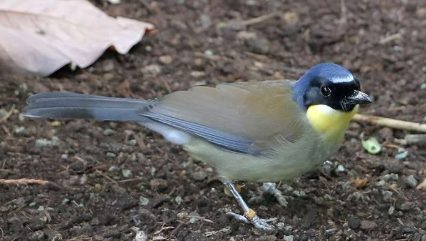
[[344, 12], [23, 181], [390, 38], [8, 114], [250, 21], [391, 123], [415, 139]]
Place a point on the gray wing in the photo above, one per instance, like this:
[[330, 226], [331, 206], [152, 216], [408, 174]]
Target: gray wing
[[241, 117], [217, 137]]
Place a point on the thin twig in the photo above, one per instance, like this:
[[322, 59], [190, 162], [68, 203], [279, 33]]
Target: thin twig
[[23, 181], [169, 90], [248, 22], [6, 130], [391, 123], [201, 218], [8, 114], [390, 38], [131, 180], [344, 12], [107, 177]]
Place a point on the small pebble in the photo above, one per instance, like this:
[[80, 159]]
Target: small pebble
[[178, 200], [354, 222], [21, 117], [110, 155], [208, 53], [340, 168], [391, 210], [108, 65], [368, 225], [258, 45], [36, 236], [289, 238], [406, 206], [267, 238], [199, 176], [411, 181], [390, 177], [20, 130], [246, 35], [205, 20], [151, 69], [280, 225], [114, 1], [44, 142], [133, 142], [402, 153], [65, 201], [166, 59], [108, 132], [290, 18], [98, 187], [193, 220], [64, 156], [387, 195], [182, 215], [197, 74], [143, 201], [3, 113], [126, 173], [386, 133], [113, 169]]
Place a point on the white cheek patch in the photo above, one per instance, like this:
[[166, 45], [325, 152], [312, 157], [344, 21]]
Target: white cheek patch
[[171, 134], [342, 79]]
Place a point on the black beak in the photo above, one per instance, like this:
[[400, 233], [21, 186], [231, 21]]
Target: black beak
[[358, 97]]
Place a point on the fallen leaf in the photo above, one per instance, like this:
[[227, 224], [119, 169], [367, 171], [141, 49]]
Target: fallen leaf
[[372, 146], [422, 185], [360, 183], [40, 37]]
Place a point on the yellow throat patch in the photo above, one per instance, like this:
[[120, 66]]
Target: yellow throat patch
[[330, 123]]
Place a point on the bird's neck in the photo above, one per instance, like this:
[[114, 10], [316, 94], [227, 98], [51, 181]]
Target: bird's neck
[[330, 123]]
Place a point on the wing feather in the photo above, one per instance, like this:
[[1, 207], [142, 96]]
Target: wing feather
[[243, 117]]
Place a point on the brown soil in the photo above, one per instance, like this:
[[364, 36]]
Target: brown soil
[[92, 195]]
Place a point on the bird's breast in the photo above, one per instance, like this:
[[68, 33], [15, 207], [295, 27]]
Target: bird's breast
[[331, 124]]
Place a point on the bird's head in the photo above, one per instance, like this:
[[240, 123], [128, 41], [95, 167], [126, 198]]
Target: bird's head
[[330, 95], [332, 85]]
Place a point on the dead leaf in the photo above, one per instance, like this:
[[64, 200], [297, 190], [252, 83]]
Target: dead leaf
[[422, 185], [360, 182], [125, 90], [39, 37]]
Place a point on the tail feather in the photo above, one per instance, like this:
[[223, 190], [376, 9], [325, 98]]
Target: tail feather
[[66, 105]]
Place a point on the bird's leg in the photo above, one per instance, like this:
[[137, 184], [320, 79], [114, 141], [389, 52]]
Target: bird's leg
[[249, 215]]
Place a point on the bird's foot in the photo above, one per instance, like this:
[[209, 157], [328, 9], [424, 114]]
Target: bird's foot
[[261, 224], [271, 189]]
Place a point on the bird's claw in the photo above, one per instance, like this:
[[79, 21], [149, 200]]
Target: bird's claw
[[261, 224]]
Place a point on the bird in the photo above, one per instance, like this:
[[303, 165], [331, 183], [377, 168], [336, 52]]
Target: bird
[[266, 131]]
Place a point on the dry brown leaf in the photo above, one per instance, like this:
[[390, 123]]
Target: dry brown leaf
[[360, 182], [39, 37], [422, 185]]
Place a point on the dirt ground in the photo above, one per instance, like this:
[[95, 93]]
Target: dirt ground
[[110, 181]]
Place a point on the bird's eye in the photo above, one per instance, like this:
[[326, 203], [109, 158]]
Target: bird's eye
[[325, 91]]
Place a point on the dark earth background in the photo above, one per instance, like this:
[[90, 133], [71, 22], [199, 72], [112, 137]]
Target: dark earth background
[[111, 180]]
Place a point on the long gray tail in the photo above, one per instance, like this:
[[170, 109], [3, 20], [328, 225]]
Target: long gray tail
[[67, 105]]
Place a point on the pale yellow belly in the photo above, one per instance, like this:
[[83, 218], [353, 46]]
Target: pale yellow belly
[[284, 163]]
